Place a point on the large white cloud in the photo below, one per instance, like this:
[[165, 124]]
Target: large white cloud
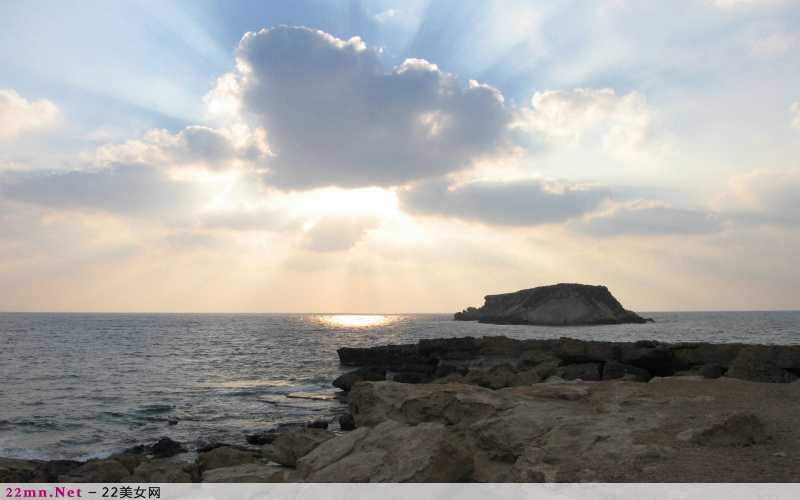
[[648, 218], [762, 196], [334, 118], [19, 115], [585, 115], [521, 202]]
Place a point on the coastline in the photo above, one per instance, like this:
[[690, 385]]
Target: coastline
[[685, 428]]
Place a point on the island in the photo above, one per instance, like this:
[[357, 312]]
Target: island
[[561, 304]]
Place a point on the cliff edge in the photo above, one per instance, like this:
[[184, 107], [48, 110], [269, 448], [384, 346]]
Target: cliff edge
[[561, 304]]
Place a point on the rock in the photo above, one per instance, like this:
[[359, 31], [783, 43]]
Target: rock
[[165, 448], [739, 429], [347, 422], [582, 371], [347, 381], [391, 452], [369, 373], [294, 444], [562, 304], [107, 470], [752, 365], [224, 456], [318, 424], [164, 471], [262, 438], [613, 370], [35, 471], [411, 378], [642, 359], [246, 473]]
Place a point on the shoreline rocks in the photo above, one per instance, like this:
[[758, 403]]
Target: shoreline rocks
[[478, 360], [561, 304]]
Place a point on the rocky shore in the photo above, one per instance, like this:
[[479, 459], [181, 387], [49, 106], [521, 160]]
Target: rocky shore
[[501, 410]]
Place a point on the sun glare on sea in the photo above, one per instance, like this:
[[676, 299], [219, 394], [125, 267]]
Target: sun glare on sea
[[357, 320]]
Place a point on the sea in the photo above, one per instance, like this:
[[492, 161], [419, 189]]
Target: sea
[[79, 386]]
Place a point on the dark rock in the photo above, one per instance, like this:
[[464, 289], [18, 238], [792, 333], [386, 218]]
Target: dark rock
[[432, 358], [172, 422], [562, 304], [347, 422], [367, 373], [318, 424], [262, 438], [411, 378], [165, 448], [615, 370], [751, 365], [583, 371]]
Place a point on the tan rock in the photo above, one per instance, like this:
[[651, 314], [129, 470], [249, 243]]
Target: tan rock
[[738, 429], [107, 470], [224, 456], [246, 473], [164, 471], [390, 452], [294, 444]]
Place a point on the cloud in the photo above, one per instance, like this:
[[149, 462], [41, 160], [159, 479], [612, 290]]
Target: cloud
[[383, 16], [648, 218], [762, 196], [335, 233], [334, 118], [132, 190], [215, 149], [769, 39], [583, 115], [796, 110], [522, 202], [19, 115]]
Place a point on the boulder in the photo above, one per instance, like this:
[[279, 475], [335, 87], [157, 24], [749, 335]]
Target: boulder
[[391, 452], [369, 373], [164, 471], [582, 371], [562, 304], [613, 370], [224, 456], [347, 422], [751, 364], [165, 448], [318, 424], [107, 470], [246, 473], [262, 438], [294, 444]]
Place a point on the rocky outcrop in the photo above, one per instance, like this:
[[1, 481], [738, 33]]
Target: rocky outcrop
[[294, 444], [392, 451], [562, 304], [478, 360], [671, 429]]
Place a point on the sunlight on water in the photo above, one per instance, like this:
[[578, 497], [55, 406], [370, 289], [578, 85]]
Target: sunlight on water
[[358, 320]]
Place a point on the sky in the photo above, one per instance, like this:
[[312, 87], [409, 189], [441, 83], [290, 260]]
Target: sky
[[397, 157]]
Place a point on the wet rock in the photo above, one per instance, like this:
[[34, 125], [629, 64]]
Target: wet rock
[[262, 438], [165, 448], [318, 424], [347, 422]]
